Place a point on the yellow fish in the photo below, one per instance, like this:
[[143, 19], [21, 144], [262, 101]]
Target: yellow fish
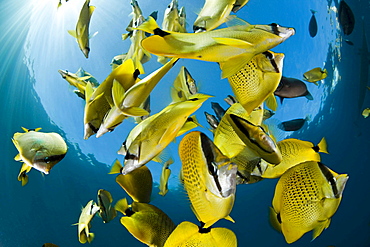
[[187, 234], [293, 152], [213, 14], [165, 175], [306, 197], [234, 46], [147, 139], [82, 28], [138, 184], [145, 222], [84, 222], [254, 83], [209, 178], [106, 211], [366, 112], [127, 101], [255, 137], [77, 82], [315, 74], [100, 100], [136, 52], [39, 150], [184, 86], [182, 20]]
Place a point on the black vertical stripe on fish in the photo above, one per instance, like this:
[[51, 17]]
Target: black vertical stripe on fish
[[92, 127], [275, 28], [160, 32], [271, 57], [330, 178], [136, 73], [202, 229], [209, 154]]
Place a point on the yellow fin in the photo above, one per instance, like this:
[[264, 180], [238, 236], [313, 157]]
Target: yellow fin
[[122, 206], [24, 179], [91, 9], [229, 218], [318, 230], [274, 220], [234, 64], [149, 26], [116, 167], [271, 102], [88, 91], [135, 111], [118, 93], [234, 42], [91, 237], [18, 156], [323, 146], [73, 33]]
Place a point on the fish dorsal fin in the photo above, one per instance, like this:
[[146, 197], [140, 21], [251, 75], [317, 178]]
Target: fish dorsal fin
[[122, 206], [118, 93], [323, 146], [91, 10], [237, 22], [73, 33], [235, 64]]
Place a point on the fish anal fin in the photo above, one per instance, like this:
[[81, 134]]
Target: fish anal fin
[[234, 64]]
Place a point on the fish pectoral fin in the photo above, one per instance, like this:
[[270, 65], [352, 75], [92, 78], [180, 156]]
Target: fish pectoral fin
[[323, 146], [73, 33], [321, 226], [234, 64], [229, 218], [93, 35], [18, 157], [91, 237], [118, 93], [274, 219], [135, 111], [234, 42]]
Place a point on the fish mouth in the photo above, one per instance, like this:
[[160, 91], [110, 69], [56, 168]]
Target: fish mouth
[[283, 32], [63, 73]]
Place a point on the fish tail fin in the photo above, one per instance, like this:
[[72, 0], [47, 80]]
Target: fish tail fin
[[323, 146], [313, 11], [149, 26], [309, 96], [91, 237], [122, 206], [116, 167]]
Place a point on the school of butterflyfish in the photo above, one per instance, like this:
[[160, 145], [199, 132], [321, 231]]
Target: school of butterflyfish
[[241, 150]]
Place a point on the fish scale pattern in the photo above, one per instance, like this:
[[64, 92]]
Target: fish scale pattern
[[301, 191]]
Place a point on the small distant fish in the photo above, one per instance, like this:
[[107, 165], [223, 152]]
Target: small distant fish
[[77, 81], [84, 222], [145, 222], [212, 120], [219, 111], [49, 245], [256, 138], [165, 175], [306, 197], [184, 86], [292, 125], [292, 88], [348, 41], [138, 184], [209, 178], [231, 100], [191, 235], [346, 18], [106, 211], [312, 27], [217, 45], [315, 74], [366, 112], [267, 114], [39, 150], [82, 28]]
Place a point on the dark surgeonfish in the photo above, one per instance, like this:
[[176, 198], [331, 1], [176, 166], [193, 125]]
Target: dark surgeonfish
[[292, 88], [346, 18], [312, 27], [292, 125]]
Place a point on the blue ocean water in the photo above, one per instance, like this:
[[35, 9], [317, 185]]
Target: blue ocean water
[[35, 44]]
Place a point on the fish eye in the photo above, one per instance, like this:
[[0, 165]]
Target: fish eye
[[269, 55], [274, 25], [47, 159]]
